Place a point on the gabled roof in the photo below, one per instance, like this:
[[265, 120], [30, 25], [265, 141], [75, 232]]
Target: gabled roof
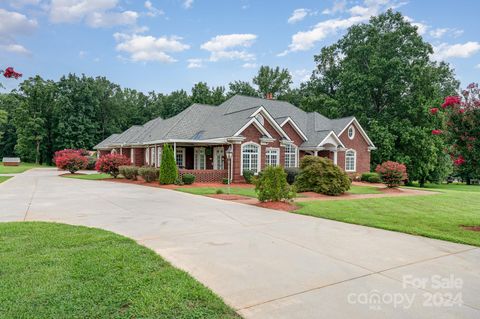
[[206, 122]]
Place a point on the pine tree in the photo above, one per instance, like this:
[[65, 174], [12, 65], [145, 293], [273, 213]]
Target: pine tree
[[168, 168]]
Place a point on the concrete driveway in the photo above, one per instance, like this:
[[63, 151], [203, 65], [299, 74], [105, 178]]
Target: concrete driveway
[[264, 263]]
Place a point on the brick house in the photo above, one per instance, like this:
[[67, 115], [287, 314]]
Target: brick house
[[260, 132]]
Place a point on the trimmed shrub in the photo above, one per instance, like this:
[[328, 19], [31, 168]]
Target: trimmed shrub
[[71, 161], [168, 168], [129, 172], [248, 175], [292, 173], [149, 174], [271, 185], [91, 163], [225, 180], [371, 177], [188, 179], [111, 163], [219, 191], [320, 175], [179, 181], [392, 173]]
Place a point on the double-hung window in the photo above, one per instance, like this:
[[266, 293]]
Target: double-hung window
[[272, 156], [350, 161], [290, 155], [180, 157], [250, 157]]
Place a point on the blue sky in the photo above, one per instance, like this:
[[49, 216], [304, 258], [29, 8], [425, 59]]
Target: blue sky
[[172, 44]]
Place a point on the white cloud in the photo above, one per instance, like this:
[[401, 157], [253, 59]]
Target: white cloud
[[13, 24], [421, 27], [305, 40], [249, 65], [298, 15], [17, 4], [152, 11], [445, 51], [95, 13], [440, 32], [187, 4], [195, 63], [229, 47], [149, 48], [14, 48], [301, 75], [82, 54], [338, 6]]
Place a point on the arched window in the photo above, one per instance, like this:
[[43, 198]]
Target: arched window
[[113, 151], [350, 161], [351, 132], [251, 157], [291, 154]]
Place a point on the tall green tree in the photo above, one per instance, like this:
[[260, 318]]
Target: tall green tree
[[242, 88], [273, 81], [175, 102], [382, 73], [202, 94], [8, 139], [168, 167], [33, 119]]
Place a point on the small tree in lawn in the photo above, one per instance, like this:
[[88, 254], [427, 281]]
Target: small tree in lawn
[[168, 168], [460, 126], [70, 160], [392, 173], [111, 163]]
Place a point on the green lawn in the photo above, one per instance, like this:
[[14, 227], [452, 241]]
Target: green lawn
[[4, 178], [354, 189], [18, 169], [52, 270], [91, 177], [250, 192], [438, 216]]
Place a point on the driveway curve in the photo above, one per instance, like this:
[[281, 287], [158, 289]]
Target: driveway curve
[[265, 263]]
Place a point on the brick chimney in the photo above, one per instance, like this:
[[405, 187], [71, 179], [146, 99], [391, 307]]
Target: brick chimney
[[269, 96]]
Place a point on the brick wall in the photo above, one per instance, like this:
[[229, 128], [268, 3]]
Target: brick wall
[[205, 176], [139, 156], [360, 145]]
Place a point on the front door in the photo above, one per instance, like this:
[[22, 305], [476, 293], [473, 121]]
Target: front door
[[218, 157], [199, 161]]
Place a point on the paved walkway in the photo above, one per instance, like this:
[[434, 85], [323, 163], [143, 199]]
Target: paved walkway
[[264, 263]]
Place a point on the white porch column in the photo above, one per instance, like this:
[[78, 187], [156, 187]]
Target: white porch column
[[335, 157], [156, 155], [175, 151], [315, 153], [121, 151]]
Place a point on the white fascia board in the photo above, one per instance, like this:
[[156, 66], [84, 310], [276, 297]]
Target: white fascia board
[[362, 131], [272, 121], [332, 133], [295, 127], [212, 141], [257, 124]]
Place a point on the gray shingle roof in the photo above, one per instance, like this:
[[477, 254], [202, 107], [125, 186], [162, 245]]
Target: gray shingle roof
[[202, 122]]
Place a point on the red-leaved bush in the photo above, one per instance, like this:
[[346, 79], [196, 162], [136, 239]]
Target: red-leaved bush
[[111, 163], [392, 173], [71, 161]]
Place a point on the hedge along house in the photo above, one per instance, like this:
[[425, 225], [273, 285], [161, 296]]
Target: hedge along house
[[260, 132]]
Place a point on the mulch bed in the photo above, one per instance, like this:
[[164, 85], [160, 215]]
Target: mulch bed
[[471, 228], [287, 207]]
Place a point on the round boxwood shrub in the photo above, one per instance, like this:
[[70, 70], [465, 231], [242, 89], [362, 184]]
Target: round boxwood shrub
[[292, 173], [320, 175], [371, 177], [149, 174], [248, 175], [129, 172], [271, 185], [188, 179]]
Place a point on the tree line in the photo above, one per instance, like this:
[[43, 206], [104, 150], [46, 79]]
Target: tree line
[[381, 72]]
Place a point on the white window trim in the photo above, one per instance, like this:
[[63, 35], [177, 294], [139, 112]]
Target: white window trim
[[297, 153], [132, 155], [215, 162], [259, 157], [295, 127], [352, 128], [183, 155], [362, 131], [277, 150], [354, 160]]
